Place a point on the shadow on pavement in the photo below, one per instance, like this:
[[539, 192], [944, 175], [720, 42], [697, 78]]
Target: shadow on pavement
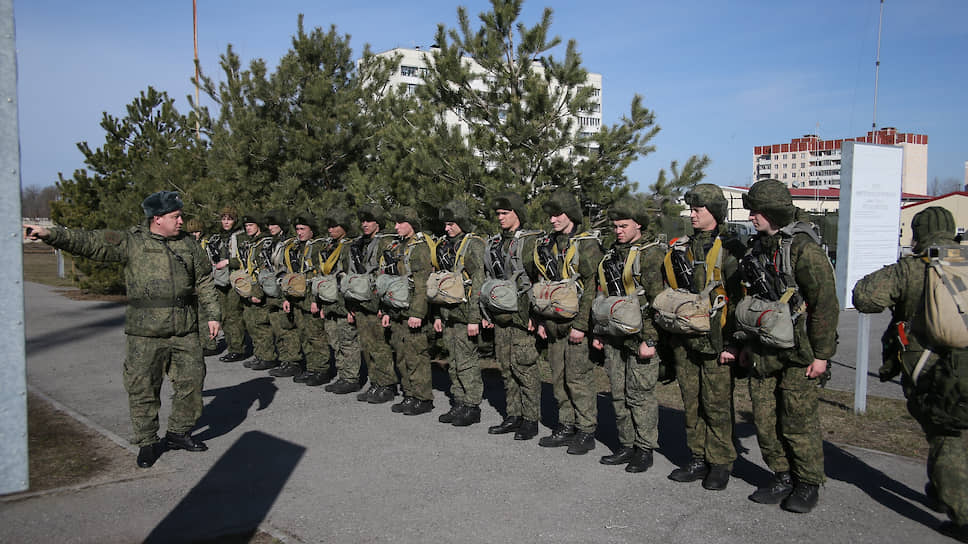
[[235, 496], [230, 406], [841, 465], [52, 339]]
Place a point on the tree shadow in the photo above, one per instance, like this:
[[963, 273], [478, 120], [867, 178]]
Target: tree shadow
[[236, 494], [230, 405], [38, 344]]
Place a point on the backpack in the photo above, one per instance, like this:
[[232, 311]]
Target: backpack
[[943, 321], [773, 322], [620, 314], [507, 278], [394, 290], [559, 298], [449, 286], [678, 309]]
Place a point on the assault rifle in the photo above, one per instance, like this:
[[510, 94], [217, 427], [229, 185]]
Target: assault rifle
[[497, 261], [757, 281], [682, 269], [445, 257], [612, 267], [550, 261]]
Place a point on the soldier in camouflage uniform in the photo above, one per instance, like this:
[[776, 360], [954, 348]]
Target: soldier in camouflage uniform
[[568, 350], [304, 255], [255, 254], [705, 379], [784, 382], [900, 287], [168, 279], [514, 343], [462, 252], [284, 332], [343, 338], [225, 245], [196, 230], [631, 361], [364, 258], [409, 256]]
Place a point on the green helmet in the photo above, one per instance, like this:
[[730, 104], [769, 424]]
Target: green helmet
[[456, 212], [563, 201], [771, 198], [629, 209], [711, 197], [407, 214]]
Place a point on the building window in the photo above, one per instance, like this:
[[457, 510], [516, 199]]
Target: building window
[[408, 71], [803, 165], [411, 89], [784, 176]]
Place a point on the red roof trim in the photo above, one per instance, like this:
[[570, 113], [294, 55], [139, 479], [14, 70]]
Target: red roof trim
[[930, 200]]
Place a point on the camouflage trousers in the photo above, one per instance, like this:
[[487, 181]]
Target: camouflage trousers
[[285, 335], [232, 321], [948, 471], [786, 414], [313, 340], [515, 351], [633, 383], [413, 359], [146, 362], [375, 349], [707, 398], [345, 343], [463, 364], [572, 379], [260, 331]]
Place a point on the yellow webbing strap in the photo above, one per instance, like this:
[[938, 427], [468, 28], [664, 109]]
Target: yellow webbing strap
[[332, 259]]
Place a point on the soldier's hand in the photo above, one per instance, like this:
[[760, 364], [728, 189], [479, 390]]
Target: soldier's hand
[[414, 322], [597, 343], [542, 333], [350, 317], [728, 356], [530, 326], [314, 309], [438, 325], [213, 328], [34, 232], [473, 329], [816, 368], [286, 306], [487, 324], [221, 264], [385, 320], [646, 351], [256, 300], [575, 336]]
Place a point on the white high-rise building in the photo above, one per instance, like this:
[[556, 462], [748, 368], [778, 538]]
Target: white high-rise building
[[413, 64], [810, 162]]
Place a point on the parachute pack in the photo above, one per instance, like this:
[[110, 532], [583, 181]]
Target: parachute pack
[[559, 293]]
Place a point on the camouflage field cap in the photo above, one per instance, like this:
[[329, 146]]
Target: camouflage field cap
[[711, 197], [276, 217], [510, 201], [407, 214], [252, 217], [306, 218], [932, 225], [193, 225], [161, 203], [629, 209], [372, 212], [771, 198], [563, 201], [456, 212], [230, 211]]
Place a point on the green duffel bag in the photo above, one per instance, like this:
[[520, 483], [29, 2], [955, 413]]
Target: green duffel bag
[[500, 296], [393, 290], [617, 315], [269, 284], [358, 287]]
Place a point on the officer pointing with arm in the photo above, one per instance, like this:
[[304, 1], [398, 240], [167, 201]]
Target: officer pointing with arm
[[168, 279]]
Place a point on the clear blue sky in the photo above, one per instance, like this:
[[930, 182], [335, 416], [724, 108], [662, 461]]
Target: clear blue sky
[[721, 77]]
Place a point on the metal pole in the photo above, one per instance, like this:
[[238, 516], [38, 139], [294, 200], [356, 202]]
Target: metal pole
[[60, 263], [195, 38], [877, 69], [13, 373], [863, 350]]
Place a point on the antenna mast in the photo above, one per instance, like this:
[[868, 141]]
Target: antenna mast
[[877, 68]]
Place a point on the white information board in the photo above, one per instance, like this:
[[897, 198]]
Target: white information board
[[870, 212]]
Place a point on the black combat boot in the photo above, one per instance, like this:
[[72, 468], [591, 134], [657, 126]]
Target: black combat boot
[[641, 460], [183, 441], [401, 407], [803, 498], [418, 407], [448, 416], [384, 393], [778, 488], [365, 396], [343, 387], [468, 415], [147, 455], [316, 379], [696, 469], [509, 425], [582, 443], [717, 479], [562, 436], [287, 369], [262, 364], [527, 430], [620, 457], [232, 357], [206, 352], [302, 376]]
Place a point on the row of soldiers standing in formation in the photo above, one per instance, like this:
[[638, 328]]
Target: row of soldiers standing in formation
[[374, 298]]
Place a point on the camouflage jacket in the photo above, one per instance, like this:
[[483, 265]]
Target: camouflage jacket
[[303, 258], [588, 255], [815, 332], [650, 279], [168, 280], [732, 251], [473, 267], [502, 244], [411, 257]]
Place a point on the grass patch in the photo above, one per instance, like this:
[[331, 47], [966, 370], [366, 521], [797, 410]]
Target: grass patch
[[40, 265]]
